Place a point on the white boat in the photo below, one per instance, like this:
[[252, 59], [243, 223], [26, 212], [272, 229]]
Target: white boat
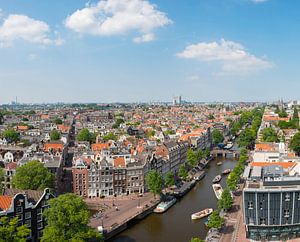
[[219, 163], [218, 190], [217, 179], [202, 213], [164, 206], [228, 146], [227, 171]]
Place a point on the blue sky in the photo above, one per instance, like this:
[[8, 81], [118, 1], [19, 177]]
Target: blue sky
[[135, 50]]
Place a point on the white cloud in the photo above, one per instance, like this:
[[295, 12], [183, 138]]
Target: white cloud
[[232, 56], [21, 27], [144, 38], [118, 17]]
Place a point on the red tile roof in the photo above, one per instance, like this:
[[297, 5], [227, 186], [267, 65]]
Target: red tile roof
[[283, 164], [5, 202], [120, 162]]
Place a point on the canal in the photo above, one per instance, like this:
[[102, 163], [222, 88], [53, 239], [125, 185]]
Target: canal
[[176, 225]]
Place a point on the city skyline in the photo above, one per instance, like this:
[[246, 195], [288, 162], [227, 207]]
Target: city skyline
[[131, 51]]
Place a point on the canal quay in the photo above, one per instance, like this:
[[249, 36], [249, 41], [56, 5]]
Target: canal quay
[[176, 225]]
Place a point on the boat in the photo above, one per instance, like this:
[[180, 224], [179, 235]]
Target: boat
[[202, 214], [218, 190], [227, 171], [199, 175], [228, 146], [219, 163], [217, 179], [221, 145], [164, 206]]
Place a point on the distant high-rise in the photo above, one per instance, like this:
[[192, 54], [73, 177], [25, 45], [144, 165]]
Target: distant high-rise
[[177, 100]]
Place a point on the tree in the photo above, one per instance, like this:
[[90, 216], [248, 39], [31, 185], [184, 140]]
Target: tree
[[154, 182], [110, 136], [68, 219], [169, 179], [118, 122], [57, 121], [269, 135], [11, 135], [295, 143], [217, 136], [54, 135], [182, 173], [192, 158], [84, 135], [11, 232], [226, 200], [215, 221], [1, 118], [33, 176], [195, 239], [246, 138]]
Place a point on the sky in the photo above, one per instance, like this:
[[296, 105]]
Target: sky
[[149, 50]]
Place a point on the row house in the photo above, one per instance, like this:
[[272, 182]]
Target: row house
[[100, 179], [174, 152], [80, 178], [28, 206]]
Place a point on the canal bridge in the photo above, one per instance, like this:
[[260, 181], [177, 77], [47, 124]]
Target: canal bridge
[[216, 152]]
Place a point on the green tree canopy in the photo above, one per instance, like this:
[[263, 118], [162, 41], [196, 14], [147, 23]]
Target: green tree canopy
[[182, 173], [295, 143], [54, 135], [68, 219], [1, 118], [154, 182], [169, 180], [33, 176], [269, 135], [192, 158], [110, 136], [195, 239], [11, 135], [11, 232], [57, 121], [215, 221], [246, 138], [217, 136], [226, 200], [84, 135]]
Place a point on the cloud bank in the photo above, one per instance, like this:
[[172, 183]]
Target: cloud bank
[[118, 17]]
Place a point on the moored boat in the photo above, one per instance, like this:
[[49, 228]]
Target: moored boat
[[227, 171], [228, 146], [218, 190], [219, 163], [164, 206], [202, 213], [217, 179]]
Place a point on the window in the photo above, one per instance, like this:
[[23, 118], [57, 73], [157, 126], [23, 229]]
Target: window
[[40, 234], [262, 221], [39, 211], [19, 210], [40, 225], [28, 223], [39, 217], [27, 215], [250, 205], [286, 213], [287, 197]]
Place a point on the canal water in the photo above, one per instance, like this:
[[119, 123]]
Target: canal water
[[176, 225]]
